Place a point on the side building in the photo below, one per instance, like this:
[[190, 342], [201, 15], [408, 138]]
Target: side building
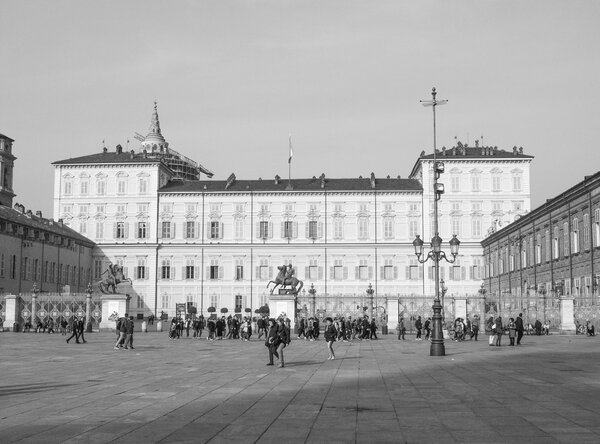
[[549, 253]]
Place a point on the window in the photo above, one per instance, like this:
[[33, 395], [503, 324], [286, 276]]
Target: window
[[99, 230], [1, 265], [239, 228], [165, 270], [121, 210], [338, 228], [388, 227], [475, 182], [67, 209], [566, 239], [190, 229], [363, 228], [313, 270], [143, 186], [101, 187], [338, 270], [68, 187], [100, 209], [575, 236], [538, 249], [239, 208], [165, 300], [455, 182], [289, 208], [524, 255], [97, 268], [83, 227], [555, 244], [24, 266], [264, 229], [517, 206], [166, 229], [413, 270], [363, 270], [516, 182], [456, 272], [413, 207], [496, 182], [214, 270], [215, 230], [190, 269], [312, 229], [140, 269], [497, 206], [239, 270], [597, 227], [476, 269], [83, 187], [456, 222], [121, 186], [586, 231], [413, 227], [263, 270], [13, 267], [288, 229], [142, 230], [547, 246], [120, 229], [238, 302], [388, 270], [475, 207], [476, 227]]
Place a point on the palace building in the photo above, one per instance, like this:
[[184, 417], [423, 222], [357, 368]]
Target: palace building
[[185, 238]]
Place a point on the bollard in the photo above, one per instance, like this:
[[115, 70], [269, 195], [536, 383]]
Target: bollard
[[159, 326], [144, 327]]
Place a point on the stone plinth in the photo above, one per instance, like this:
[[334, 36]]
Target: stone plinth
[[283, 303], [11, 307], [567, 316], [113, 303]]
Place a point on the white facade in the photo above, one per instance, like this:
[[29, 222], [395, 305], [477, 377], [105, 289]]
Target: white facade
[[218, 243]]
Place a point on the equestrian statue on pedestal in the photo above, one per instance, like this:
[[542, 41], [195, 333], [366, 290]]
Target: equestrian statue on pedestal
[[114, 276], [286, 280]]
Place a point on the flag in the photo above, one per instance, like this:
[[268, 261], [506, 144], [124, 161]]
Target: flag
[[291, 151]]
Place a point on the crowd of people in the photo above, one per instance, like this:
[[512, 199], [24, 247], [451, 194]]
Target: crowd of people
[[346, 329]]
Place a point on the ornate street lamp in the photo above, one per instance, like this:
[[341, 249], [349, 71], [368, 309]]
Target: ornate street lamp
[[444, 290], [436, 253], [313, 295]]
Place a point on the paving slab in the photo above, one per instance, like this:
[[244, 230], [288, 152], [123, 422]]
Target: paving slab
[[385, 390]]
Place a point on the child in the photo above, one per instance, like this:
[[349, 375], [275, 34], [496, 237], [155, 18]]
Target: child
[[330, 336]]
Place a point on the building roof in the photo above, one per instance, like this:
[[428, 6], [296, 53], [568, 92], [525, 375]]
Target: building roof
[[2, 136], [299, 185], [108, 157], [463, 151], [27, 219]]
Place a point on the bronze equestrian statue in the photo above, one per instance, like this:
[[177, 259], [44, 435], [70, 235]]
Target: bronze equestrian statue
[[286, 278], [114, 276]]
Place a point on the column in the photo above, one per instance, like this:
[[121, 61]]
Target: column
[[11, 307], [567, 315]]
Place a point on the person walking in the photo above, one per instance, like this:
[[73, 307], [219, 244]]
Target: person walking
[[499, 331], [519, 327], [130, 329], [475, 327], [271, 341], [74, 331], [512, 330], [81, 329], [401, 329], [330, 335], [122, 331], [373, 334], [427, 328], [418, 326]]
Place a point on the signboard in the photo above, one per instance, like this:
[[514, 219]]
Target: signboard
[[180, 308]]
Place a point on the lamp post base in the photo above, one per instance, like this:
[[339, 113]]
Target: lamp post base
[[437, 336]]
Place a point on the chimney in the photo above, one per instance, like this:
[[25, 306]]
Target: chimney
[[476, 143], [38, 213], [322, 177], [521, 150], [373, 180], [119, 149], [443, 151], [29, 214], [60, 223], [277, 179], [131, 154], [105, 150]]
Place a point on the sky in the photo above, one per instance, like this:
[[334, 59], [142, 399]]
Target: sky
[[234, 78]]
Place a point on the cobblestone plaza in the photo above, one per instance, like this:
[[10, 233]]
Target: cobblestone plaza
[[385, 390]]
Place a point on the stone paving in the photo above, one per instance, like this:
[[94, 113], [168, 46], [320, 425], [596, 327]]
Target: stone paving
[[544, 391]]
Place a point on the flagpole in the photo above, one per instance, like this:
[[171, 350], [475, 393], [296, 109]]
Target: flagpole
[[291, 154]]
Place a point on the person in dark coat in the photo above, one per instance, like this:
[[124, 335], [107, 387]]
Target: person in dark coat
[[401, 329], [81, 328], [418, 326], [283, 332], [272, 340], [538, 328], [499, 331], [74, 332], [520, 328], [130, 328], [373, 326]]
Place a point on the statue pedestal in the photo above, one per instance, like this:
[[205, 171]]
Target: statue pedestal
[[11, 314], [283, 303], [567, 316], [113, 303]]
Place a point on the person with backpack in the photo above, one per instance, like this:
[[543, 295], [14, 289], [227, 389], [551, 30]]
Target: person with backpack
[[418, 326]]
